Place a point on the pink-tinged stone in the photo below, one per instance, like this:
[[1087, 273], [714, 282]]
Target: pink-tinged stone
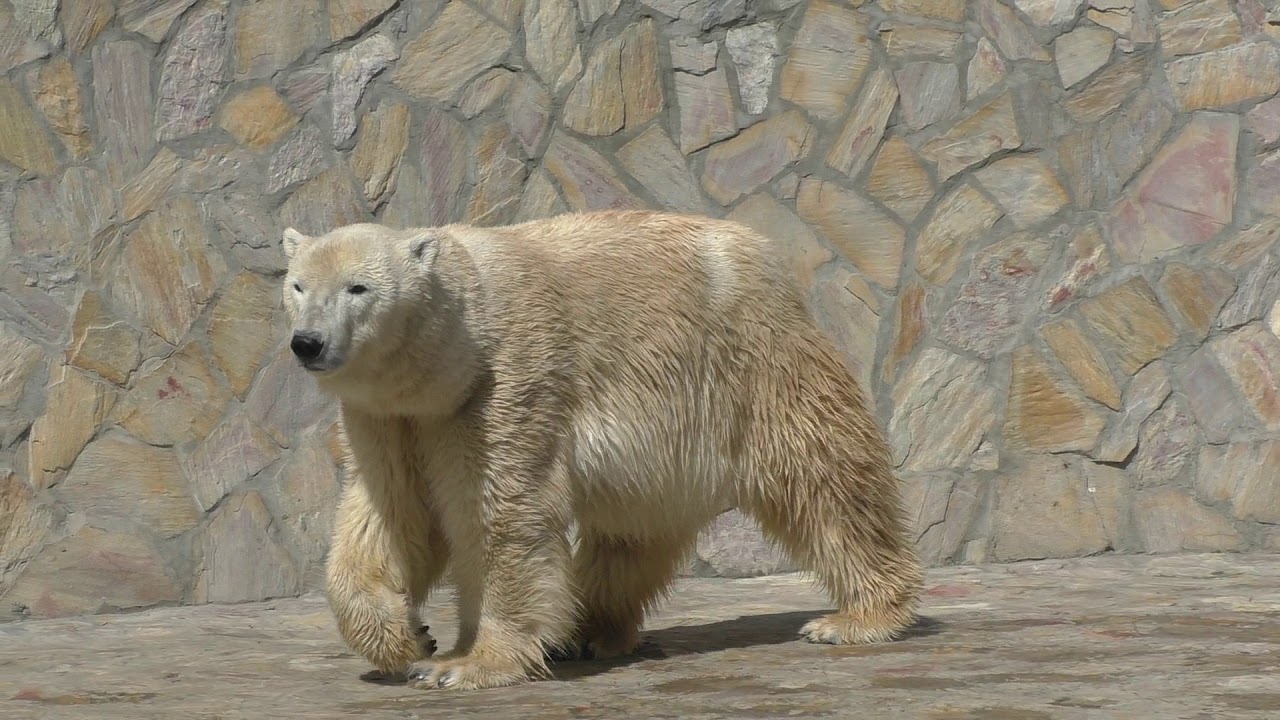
[[1185, 197], [1225, 77], [829, 56], [1251, 358], [306, 86], [707, 113], [1167, 443], [985, 70], [300, 157], [588, 180], [738, 166], [1209, 393], [1264, 121], [1099, 160], [991, 128], [173, 400], [991, 306], [930, 92], [1011, 35], [1088, 260], [864, 128], [529, 114], [860, 231], [193, 74]]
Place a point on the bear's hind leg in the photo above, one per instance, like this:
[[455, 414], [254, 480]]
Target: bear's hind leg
[[619, 580]]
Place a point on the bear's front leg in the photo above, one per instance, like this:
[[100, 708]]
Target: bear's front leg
[[511, 565]]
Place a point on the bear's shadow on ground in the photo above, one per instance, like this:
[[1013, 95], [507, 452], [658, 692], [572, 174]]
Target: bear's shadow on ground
[[739, 633]]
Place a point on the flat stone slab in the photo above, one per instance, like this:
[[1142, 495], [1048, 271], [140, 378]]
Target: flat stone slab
[[1191, 636]]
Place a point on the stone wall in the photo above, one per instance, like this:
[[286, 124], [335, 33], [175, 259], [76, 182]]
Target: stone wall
[[1042, 231]]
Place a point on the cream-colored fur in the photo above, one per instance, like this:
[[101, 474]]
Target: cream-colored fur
[[636, 372]]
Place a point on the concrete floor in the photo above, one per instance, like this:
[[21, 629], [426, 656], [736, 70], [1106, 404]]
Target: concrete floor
[[1193, 636]]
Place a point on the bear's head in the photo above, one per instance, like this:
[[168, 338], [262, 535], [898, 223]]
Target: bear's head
[[354, 294]]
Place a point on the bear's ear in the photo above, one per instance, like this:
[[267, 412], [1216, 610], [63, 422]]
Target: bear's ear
[[423, 247], [292, 241]]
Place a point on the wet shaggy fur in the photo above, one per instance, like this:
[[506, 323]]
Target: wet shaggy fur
[[635, 372]]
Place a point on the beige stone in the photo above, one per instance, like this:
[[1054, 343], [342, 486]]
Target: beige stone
[[324, 202], [1108, 90], [551, 41], [380, 145], [586, 177], [1251, 357], [306, 491], [1083, 361], [948, 10], [620, 87], [1011, 35], [57, 94], [93, 571], [458, 46], [693, 56], [1025, 186], [540, 198], [119, 478], [348, 17], [102, 342], [857, 228], [828, 57], [899, 181], [910, 326], [271, 34], [1244, 475], [23, 138], [169, 269], [1167, 444], [706, 109], [24, 522], [529, 114], [903, 40], [485, 91], [500, 173], [152, 18], [1144, 395], [1242, 248], [656, 162], [1087, 260], [257, 117], [239, 529], [1196, 296], [988, 130], [1044, 509], [19, 360], [930, 92], [232, 454], [1216, 79], [962, 214], [1199, 27], [847, 311], [1044, 414], [776, 222], [943, 408], [1079, 53], [861, 133], [285, 400], [74, 411], [241, 329], [740, 165], [986, 69], [173, 400], [82, 20], [1130, 321], [1046, 13], [641, 73], [1169, 520], [142, 193]]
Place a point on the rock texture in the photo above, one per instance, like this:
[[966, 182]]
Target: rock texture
[[1044, 233]]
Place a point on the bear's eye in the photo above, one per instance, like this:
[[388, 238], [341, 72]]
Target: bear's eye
[[297, 287], [357, 289]]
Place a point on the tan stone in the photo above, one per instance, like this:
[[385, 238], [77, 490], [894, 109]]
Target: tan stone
[[1144, 395], [1108, 90], [74, 411], [142, 193], [24, 523], [173, 400], [988, 130], [57, 94], [740, 165], [943, 408], [458, 46], [285, 400], [1011, 35], [1225, 77], [348, 17], [551, 41], [380, 144], [1199, 27], [930, 92], [119, 478], [1079, 53], [23, 139], [1083, 361], [169, 269], [484, 91], [540, 198], [949, 10], [641, 73], [241, 329], [778, 224], [1043, 413], [1244, 474], [620, 87], [500, 173], [904, 40], [93, 571], [1025, 186], [306, 491], [257, 117], [588, 180], [962, 214], [829, 56], [1130, 321], [19, 360], [707, 113], [657, 163], [327, 201], [271, 34], [909, 327], [529, 114], [506, 12], [986, 70], [858, 229], [1251, 357], [1196, 295], [82, 20], [101, 341], [847, 311], [861, 134], [899, 181], [241, 528], [1169, 520], [1044, 509]]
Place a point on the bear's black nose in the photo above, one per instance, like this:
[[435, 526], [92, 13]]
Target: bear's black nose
[[306, 345]]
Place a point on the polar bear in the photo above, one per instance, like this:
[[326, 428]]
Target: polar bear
[[636, 372]]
